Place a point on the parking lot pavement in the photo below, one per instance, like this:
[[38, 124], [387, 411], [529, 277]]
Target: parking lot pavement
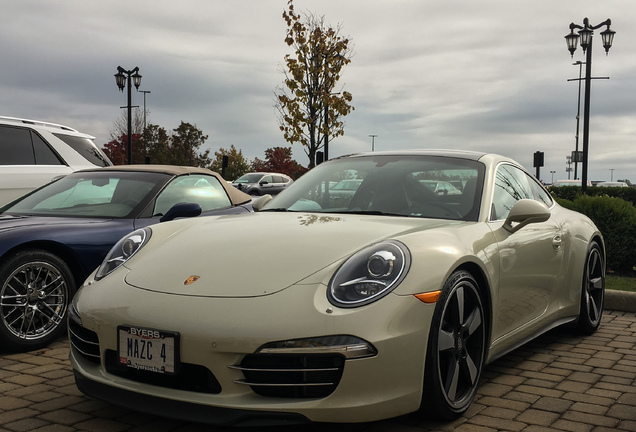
[[559, 382]]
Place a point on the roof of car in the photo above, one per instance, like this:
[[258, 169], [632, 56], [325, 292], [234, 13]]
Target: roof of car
[[236, 195], [39, 124], [465, 154], [166, 169]]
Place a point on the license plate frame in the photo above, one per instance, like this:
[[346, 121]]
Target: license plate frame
[[148, 349]]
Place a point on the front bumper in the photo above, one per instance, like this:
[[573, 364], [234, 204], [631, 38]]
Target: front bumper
[[218, 333]]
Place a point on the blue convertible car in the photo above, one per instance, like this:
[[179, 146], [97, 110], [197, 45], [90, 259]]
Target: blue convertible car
[[54, 237]]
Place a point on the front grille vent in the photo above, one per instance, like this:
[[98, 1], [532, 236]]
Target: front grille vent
[[85, 341], [292, 375]]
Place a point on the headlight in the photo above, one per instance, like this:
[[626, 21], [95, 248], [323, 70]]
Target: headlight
[[123, 251], [369, 275]]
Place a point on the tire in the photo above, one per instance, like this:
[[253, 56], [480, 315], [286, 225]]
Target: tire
[[593, 290], [456, 349], [36, 288]]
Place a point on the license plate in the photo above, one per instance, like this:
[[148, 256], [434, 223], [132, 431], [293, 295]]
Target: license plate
[[148, 349]]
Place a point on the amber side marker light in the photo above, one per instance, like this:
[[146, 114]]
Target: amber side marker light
[[429, 297]]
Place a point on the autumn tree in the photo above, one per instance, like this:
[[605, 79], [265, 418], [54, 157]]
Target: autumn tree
[[185, 142], [279, 159], [117, 150], [120, 125], [156, 143], [181, 147], [310, 112], [237, 164]]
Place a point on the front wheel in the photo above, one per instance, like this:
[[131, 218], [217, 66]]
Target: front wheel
[[35, 290], [456, 349], [593, 293]]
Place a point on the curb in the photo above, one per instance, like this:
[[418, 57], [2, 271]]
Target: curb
[[623, 301]]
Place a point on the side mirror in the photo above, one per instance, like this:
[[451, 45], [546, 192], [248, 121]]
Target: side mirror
[[524, 212], [263, 183], [181, 210], [260, 202]]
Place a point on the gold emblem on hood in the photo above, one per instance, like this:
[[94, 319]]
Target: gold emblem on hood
[[192, 279]]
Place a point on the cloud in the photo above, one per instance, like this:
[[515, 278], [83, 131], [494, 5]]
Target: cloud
[[486, 75]]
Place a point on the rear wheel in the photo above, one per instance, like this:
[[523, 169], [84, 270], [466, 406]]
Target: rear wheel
[[456, 348], [593, 293], [35, 290]]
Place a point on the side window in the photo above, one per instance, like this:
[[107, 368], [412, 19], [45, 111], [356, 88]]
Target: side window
[[201, 189], [511, 185], [268, 179], [15, 146], [43, 153], [540, 194]]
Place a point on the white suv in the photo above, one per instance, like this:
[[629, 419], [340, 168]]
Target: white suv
[[32, 153]]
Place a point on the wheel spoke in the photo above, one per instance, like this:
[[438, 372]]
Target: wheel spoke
[[459, 295], [473, 322], [470, 369], [596, 283], [446, 341], [453, 381]]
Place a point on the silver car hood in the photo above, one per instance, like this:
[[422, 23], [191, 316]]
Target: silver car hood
[[260, 253]]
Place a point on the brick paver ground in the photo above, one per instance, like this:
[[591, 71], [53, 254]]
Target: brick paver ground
[[559, 382]]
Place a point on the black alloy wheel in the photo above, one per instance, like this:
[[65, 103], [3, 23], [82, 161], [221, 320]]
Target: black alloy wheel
[[35, 290], [593, 293], [456, 348]]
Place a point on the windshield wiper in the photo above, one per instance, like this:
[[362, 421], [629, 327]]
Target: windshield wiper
[[279, 209], [370, 212]]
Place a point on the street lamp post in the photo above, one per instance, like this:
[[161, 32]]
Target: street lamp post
[[585, 32], [373, 142], [145, 92], [122, 78]]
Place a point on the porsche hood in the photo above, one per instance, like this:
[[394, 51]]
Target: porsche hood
[[257, 254]]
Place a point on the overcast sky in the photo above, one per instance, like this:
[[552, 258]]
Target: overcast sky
[[481, 75]]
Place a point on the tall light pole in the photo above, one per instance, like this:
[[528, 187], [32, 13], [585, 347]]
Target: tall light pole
[[122, 78], [585, 32], [145, 92], [373, 142]]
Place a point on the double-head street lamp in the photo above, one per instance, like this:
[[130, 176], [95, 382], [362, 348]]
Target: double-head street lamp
[[122, 77], [585, 32]]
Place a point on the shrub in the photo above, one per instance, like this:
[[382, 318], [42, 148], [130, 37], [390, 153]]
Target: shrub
[[571, 192], [616, 219]]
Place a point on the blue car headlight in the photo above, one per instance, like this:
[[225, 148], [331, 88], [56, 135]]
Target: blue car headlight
[[123, 251], [369, 274]]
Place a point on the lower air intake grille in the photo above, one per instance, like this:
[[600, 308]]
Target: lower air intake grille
[[85, 341], [292, 376]]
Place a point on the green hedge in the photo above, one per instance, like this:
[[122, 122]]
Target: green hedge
[[616, 219], [571, 192]]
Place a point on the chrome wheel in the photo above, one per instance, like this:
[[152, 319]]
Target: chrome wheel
[[593, 292], [36, 289], [456, 348]]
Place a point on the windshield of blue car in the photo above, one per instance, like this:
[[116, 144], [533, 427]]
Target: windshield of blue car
[[410, 185], [91, 194]]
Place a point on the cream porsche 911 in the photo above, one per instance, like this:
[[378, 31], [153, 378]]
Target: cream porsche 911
[[382, 302]]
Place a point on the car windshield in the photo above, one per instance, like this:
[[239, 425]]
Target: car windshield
[[91, 194], [249, 178], [404, 185]]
